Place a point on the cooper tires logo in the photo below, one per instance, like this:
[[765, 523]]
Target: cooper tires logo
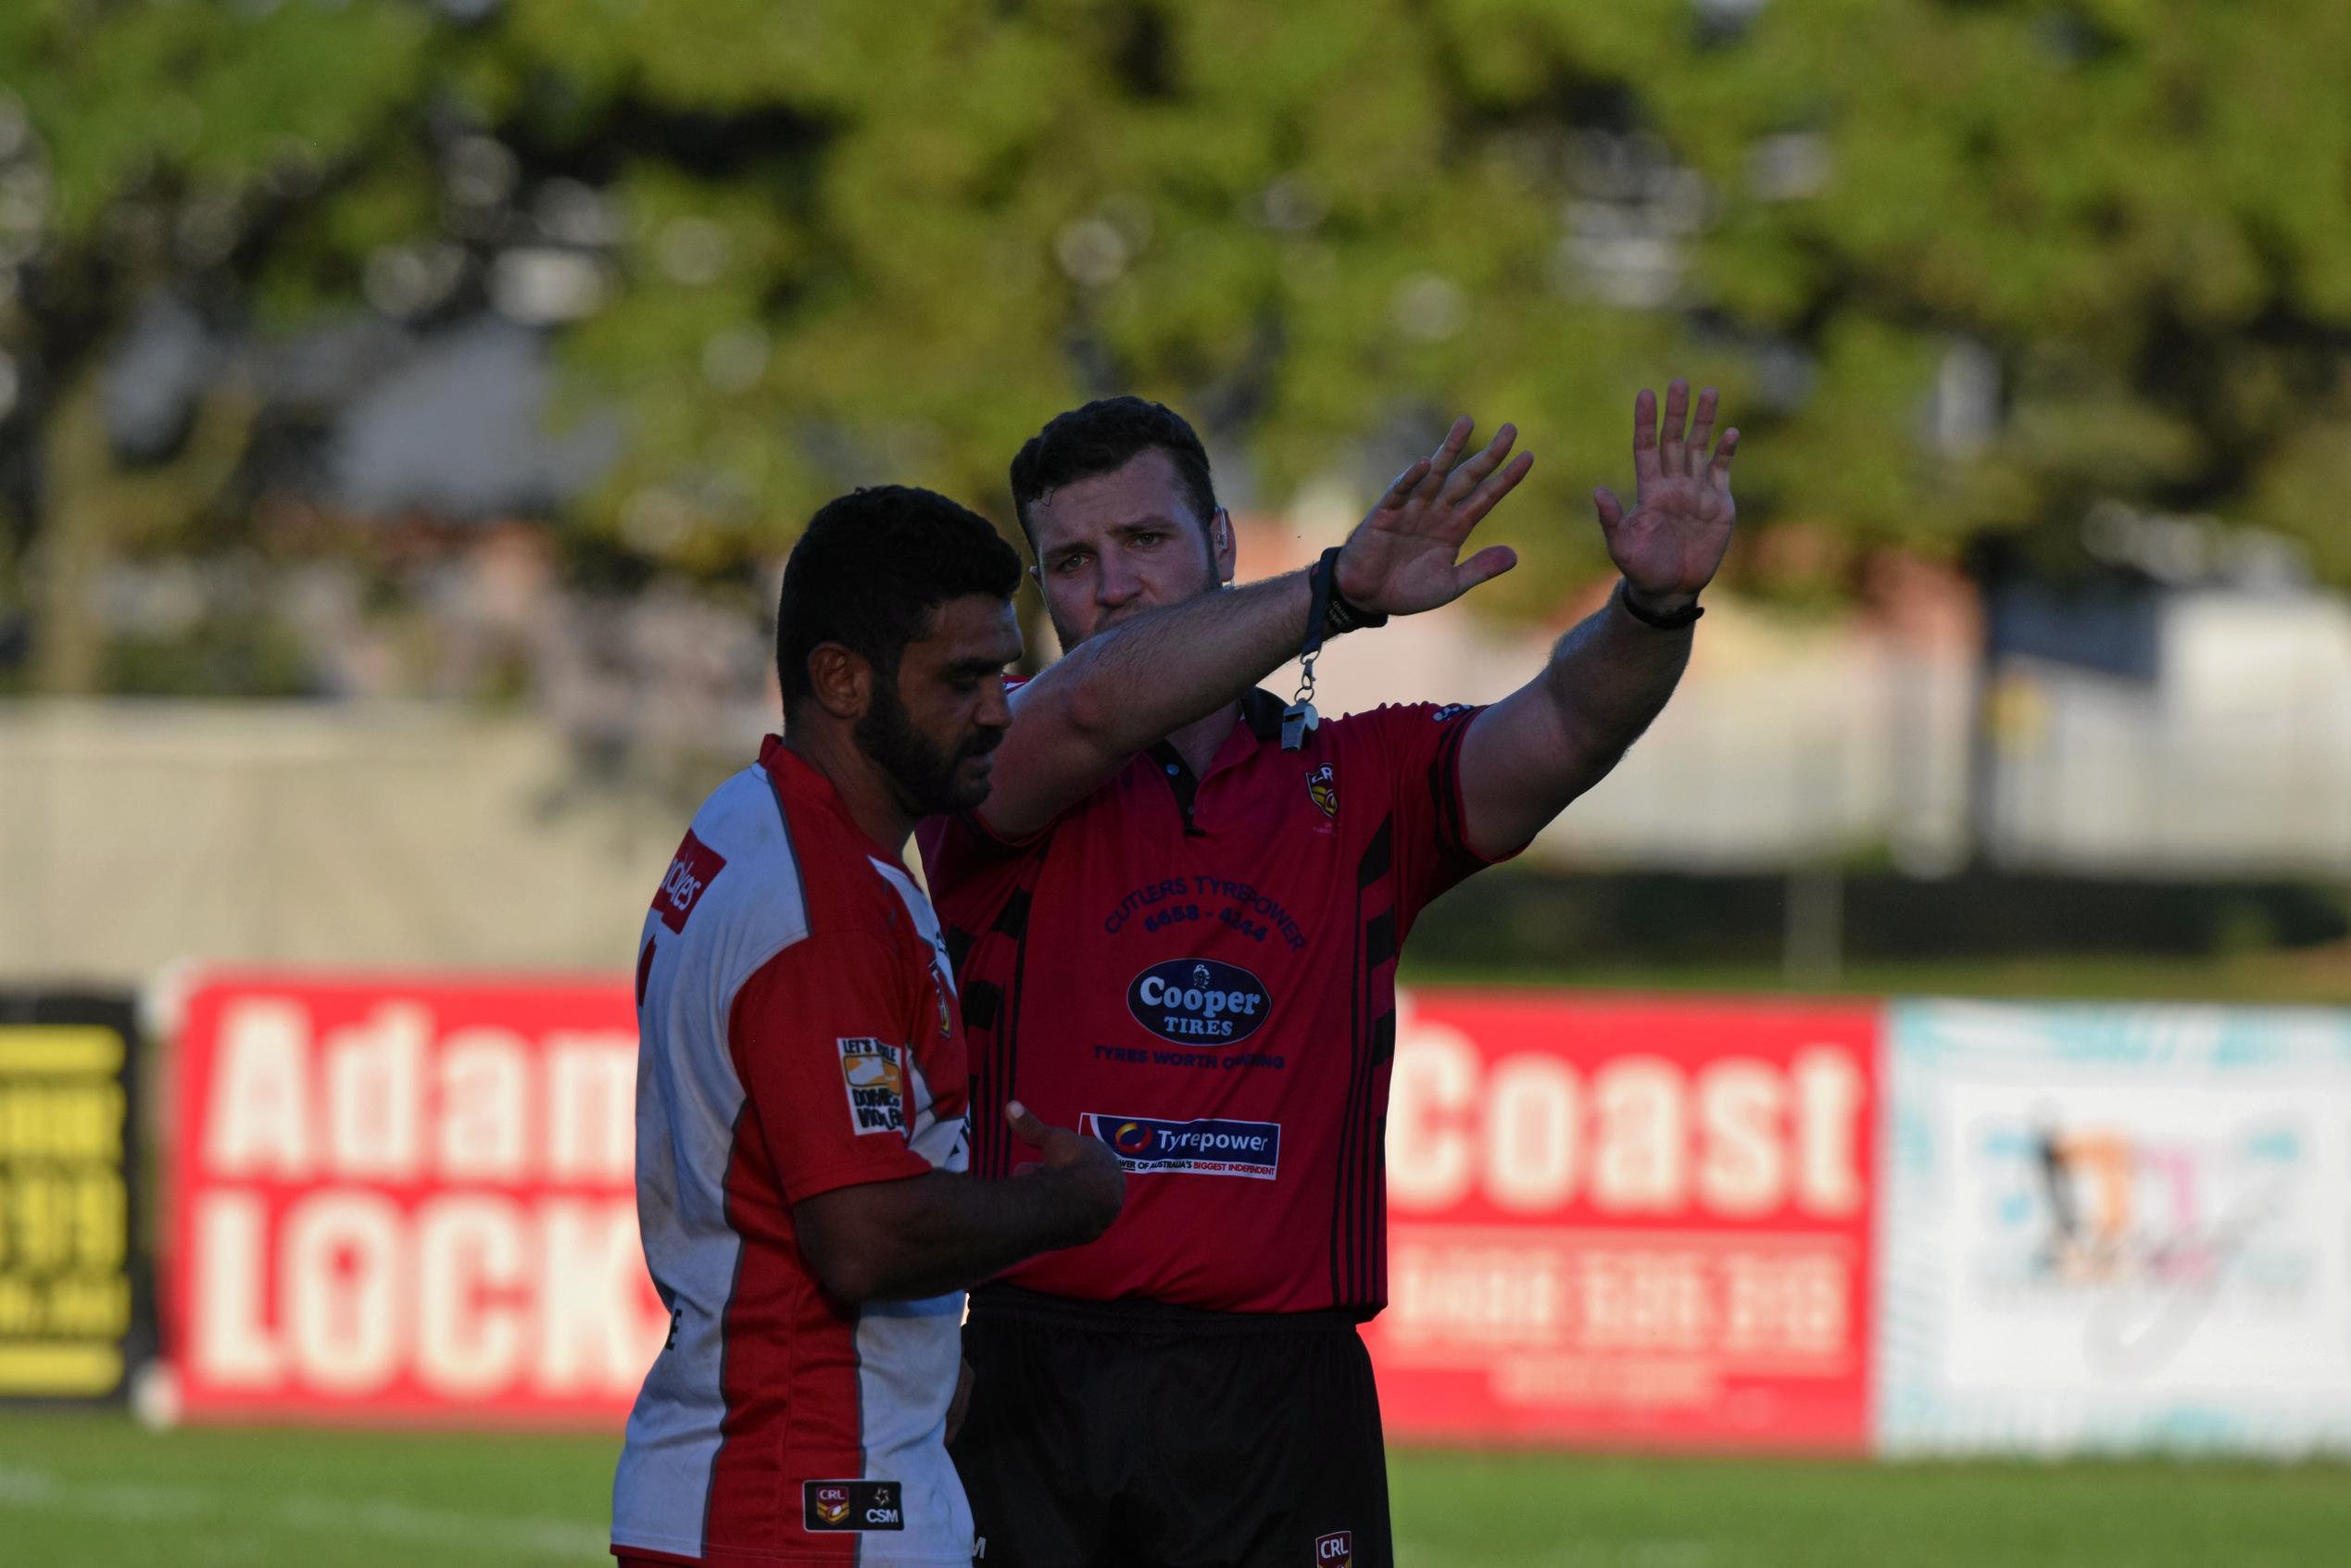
[[1198, 1001]]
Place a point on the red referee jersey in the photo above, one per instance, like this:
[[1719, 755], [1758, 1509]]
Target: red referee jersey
[[796, 1034], [1203, 973]]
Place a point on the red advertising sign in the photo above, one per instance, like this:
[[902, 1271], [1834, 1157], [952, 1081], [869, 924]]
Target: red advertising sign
[[1629, 1221], [406, 1200]]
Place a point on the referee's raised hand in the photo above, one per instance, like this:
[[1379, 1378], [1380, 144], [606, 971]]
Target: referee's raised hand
[[1091, 1175], [1671, 542], [1404, 556]]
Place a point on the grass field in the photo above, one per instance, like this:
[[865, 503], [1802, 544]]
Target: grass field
[[93, 1491]]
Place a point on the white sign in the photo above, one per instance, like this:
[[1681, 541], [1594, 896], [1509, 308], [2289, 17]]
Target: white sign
[[2116, 1228]]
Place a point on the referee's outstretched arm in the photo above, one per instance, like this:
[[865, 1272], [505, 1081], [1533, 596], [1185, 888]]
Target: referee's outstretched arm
[[1153, 671], [1528, 755]]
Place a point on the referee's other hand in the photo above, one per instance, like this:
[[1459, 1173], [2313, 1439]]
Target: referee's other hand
[[1084, 1168]]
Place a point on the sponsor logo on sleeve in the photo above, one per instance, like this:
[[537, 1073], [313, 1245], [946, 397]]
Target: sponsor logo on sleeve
[[1146, 1145], [1335, 1550], [693, 870], [1450, 711], [1322, 784], [850, 1505], [1198, 1001], [875, 1079]]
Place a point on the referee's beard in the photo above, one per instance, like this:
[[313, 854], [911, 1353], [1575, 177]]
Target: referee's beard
[[929, 775]]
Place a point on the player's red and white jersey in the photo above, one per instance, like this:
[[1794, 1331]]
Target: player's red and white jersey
[[1201, 971], [799, 1032]]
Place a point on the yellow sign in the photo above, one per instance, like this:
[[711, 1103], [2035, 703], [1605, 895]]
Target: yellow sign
[[66, 1300]]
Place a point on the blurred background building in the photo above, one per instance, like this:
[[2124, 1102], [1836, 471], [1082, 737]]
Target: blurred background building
[[448, 380]]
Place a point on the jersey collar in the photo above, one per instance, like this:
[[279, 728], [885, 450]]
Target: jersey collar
[[794, 778], [1261, 724], [1262, 711]]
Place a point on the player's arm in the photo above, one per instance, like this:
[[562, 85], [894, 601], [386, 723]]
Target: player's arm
[[1529, 755], [817, 1038], [928, 1234], [1117, 694]]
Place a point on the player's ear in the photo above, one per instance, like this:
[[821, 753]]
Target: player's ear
[[1223, 547], [840, 680]]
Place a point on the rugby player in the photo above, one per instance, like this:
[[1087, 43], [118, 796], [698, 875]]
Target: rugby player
[[1197, 963], [802, 1134]]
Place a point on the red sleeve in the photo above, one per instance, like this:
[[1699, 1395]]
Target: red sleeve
[[1420, 746], [819, 1035]]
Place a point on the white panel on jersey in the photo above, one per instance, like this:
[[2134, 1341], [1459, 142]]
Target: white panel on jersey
[[908, 1351], [688, 1100], [940, 1142]]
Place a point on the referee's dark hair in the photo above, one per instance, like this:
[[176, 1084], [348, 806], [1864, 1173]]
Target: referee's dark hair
[[872, 567], [1103, 437]]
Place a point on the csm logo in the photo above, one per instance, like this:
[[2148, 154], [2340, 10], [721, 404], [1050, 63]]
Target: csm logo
[[827, 1506], [1198, 1001], [1335, 1550]]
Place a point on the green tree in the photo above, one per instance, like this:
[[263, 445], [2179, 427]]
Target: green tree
[[1960, 266], [156, 151]]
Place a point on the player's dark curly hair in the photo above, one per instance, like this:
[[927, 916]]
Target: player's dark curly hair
[[1103, 437], [870, 570]]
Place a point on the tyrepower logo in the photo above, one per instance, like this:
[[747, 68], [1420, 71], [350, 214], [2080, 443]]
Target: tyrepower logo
[[1198, 1001], [690, 874], [1204, 1148], [408, 1199]]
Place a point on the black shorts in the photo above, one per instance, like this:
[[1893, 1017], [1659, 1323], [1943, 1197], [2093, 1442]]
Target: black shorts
[[1131, 1434]]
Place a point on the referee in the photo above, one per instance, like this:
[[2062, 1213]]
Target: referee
[[1197, 963]]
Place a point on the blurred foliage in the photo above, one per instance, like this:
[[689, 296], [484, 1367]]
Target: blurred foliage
[[1960, 265]]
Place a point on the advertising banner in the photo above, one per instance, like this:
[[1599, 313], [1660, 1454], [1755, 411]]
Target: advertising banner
[[2112, 1228], [406, 1200], [73, 1297], [1622, 1222]]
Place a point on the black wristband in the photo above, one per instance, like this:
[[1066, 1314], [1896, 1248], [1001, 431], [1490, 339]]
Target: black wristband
[[1674, 621], [1340, 616]]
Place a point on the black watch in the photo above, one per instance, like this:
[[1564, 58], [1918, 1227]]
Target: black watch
[[1673, 622], [1340, 615]]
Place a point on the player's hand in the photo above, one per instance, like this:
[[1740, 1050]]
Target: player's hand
[[1091, 1174], [1670, 544], [1404, 558]]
